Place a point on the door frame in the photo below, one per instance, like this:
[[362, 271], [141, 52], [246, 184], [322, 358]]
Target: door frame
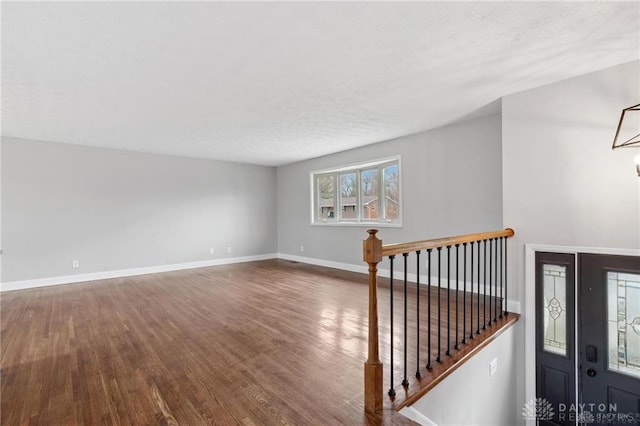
[[529, 312]]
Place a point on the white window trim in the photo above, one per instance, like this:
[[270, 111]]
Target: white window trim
[[355, 167]]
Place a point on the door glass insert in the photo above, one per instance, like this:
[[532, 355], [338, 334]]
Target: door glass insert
[[554, 308], [623, 318]]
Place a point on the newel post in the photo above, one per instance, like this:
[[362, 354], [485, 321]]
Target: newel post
[[372, 255]]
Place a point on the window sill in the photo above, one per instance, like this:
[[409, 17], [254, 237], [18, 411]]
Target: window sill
[[360, 224]]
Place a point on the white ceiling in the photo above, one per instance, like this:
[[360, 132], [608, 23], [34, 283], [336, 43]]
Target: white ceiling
[[274, 83]]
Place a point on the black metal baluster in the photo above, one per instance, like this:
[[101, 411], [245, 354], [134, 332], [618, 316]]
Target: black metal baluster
[[471, 297], [448, 352], [501, 277], [506, 268], [418, 314], [457, 290], [490, 277], [495, 279], [405, 382], [478, 307], [429, 309], [438, 359], [484, 296], [392, 391], [464, 293]]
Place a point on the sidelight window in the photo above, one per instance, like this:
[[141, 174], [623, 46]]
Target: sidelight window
[[555, 308]]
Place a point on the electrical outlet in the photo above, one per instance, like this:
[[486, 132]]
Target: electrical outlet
[[75, 264], [212, 250], [301, 249], [229, 249], [493, 366]]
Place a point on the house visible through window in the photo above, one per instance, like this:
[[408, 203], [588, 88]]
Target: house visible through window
[[364, 193]]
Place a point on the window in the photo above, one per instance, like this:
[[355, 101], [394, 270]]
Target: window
[[360, 194]]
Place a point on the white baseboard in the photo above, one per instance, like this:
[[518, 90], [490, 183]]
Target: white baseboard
[[93, 276], [512, 305], [363, 269], [415, 415]]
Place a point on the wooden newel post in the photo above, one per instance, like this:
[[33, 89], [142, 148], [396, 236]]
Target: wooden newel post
[[372, 255]]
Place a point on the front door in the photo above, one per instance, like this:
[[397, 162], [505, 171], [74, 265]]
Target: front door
[[597, 381], [609, 339]]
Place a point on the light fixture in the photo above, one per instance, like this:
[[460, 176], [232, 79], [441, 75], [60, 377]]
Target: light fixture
[[632, 142]]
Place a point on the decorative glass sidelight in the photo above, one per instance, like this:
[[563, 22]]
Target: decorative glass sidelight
[[554, 308], [623, 319]]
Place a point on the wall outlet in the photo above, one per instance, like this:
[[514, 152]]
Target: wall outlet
[[75, 264], [229, 249], [493, 366], [212, 250], [301, 249]]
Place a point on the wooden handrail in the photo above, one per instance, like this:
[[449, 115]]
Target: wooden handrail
[[399, 248]]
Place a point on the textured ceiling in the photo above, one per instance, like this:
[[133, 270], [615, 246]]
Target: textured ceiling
[[274, 83]]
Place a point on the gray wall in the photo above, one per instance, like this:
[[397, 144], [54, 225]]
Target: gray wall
[[451, 184], [563, 185], [113, 209], [471, 396], [562, 182]]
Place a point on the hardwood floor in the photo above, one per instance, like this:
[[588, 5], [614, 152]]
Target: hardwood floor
[[271, 342]]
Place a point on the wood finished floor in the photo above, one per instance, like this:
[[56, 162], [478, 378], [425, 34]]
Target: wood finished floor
[[262, 343]]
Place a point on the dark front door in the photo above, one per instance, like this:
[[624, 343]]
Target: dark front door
[[609, 339]]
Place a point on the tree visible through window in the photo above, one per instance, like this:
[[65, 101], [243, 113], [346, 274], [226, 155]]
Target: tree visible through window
[[359, 194], [326, 196]]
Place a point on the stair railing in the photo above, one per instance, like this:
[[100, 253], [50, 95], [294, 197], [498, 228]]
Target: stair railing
[[478, 281]]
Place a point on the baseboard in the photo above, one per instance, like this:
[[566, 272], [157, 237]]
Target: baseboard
[[326, 263], [415, 415], [71, 279], [512, 305]]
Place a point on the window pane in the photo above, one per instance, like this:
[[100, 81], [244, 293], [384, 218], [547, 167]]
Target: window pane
[[391, 192], [348, 196], [554, 309], [623, 306], [369, 185], [326, 197]]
